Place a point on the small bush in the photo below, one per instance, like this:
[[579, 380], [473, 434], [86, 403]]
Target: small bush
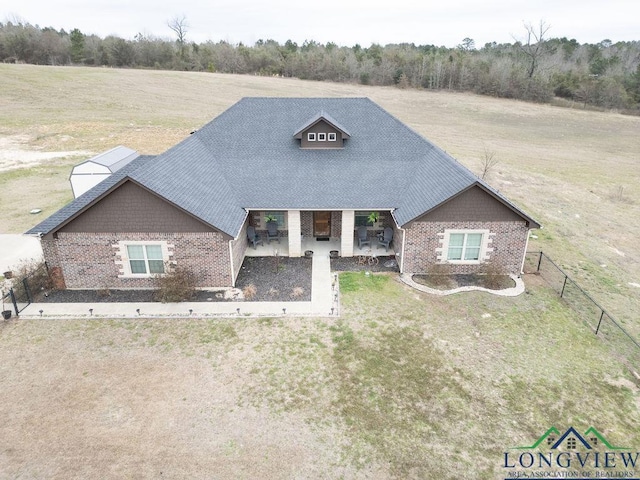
[[178, 285], [249, 291], [297, 292], [37, 278], [273, 292], [494, 276], [439, 275], [104, 292]]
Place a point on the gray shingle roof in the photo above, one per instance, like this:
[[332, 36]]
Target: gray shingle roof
[[248, 158]]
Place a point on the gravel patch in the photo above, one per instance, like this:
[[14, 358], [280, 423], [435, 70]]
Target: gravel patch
[[276, 279]]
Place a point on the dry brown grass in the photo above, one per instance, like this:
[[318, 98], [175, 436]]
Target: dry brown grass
[[565, 166]]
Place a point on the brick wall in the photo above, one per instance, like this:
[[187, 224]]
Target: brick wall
[[508, 243], [88, 260], [306, 223], [336, 224]]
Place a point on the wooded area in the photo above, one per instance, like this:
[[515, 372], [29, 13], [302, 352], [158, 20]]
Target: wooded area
[[533, 68]]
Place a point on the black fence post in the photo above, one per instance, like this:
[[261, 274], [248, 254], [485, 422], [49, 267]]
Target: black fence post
[[599, 321], [27, 292], [564, 285], [13, 300], [539, 261]]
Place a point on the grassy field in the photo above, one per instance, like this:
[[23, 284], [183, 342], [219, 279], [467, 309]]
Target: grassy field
[[577, 172], [403, 385]]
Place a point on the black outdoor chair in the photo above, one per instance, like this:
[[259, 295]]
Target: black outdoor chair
[[253, 237], [272, 232], [387, 238], [362, 237]]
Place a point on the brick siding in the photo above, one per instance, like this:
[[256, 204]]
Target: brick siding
[[508, 243], [88, 260]]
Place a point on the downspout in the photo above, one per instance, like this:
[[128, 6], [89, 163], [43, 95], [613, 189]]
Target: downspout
[[526, 247], [233, 276], [404, 239], [233, 273]]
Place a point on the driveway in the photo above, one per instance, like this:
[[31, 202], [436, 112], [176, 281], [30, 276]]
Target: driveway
[[15, 247]]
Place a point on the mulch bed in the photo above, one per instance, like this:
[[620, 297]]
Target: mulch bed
[[449, 282], [276, 279]]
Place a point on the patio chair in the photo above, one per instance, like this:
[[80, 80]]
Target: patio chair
[[272, 232], [387, 238], [253, 237], [362, 237]]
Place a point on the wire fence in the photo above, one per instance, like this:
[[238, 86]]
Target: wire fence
[[592, 314], [25, 288]]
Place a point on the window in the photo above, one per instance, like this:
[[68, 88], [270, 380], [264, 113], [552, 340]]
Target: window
[[362, 219], [311, 137], [464, 246], [145, 259], [333, 137], [322, 137], [279, 216], [571, 443]]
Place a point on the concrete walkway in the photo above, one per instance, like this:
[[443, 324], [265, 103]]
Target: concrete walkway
[[324, 302], [16, 248]]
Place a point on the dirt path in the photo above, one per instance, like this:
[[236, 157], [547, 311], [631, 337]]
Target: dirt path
[[15, 154]]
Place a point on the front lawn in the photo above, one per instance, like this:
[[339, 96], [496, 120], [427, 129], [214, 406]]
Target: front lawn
[[402, 385]]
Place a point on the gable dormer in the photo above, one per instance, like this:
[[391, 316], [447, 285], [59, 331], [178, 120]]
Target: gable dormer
[[321, 131]]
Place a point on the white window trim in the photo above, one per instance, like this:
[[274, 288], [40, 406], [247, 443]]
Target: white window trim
[[322, 137], [332, 137], [125, 265], [485, 250], [311, 137]]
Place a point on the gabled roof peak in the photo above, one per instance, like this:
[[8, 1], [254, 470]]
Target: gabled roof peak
[[322, 115]]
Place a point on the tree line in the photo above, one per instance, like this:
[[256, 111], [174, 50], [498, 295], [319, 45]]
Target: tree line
[[534, 68]]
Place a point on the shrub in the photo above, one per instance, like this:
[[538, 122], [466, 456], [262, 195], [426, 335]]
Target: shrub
[[36, 275], [439, 275], [178, 285], [249, 291], [494, 276], [297, 292]]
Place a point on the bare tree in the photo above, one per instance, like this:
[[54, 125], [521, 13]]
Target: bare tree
[[534, 46], [180, 27], [489, 161]]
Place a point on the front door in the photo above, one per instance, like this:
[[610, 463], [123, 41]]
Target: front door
[[321, 224]]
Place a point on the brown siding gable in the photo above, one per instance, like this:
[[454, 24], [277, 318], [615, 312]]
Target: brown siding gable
[[131, 207], [475, 203]]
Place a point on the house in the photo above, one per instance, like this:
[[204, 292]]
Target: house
[[320, 166]]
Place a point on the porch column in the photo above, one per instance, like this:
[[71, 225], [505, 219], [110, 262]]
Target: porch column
[[346, 236], [295, 240]]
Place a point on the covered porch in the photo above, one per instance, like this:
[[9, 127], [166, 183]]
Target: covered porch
[[319, 231], [321, 247]]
